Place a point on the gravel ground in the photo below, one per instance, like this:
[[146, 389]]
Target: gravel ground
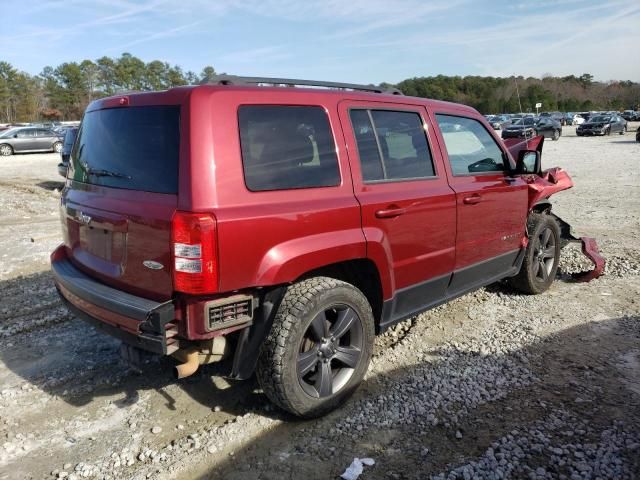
[[491, 385]]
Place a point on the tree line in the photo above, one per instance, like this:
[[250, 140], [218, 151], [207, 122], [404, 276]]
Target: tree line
[[519, 94], [63, 92]]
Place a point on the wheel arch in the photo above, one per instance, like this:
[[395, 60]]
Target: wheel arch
[[362, 273], [542, 206]]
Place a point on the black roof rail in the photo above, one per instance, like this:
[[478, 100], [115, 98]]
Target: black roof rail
[[292, 82]]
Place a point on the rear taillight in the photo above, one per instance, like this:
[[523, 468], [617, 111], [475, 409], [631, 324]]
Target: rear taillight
[[193, 239]]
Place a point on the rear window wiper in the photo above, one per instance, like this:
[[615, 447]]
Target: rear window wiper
[[104, 173]]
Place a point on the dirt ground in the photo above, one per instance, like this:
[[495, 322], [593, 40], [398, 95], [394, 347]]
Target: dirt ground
[[491, 385]]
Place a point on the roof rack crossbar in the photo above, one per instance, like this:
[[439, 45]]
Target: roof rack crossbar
[[238, 80]]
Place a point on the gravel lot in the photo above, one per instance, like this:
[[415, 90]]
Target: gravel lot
[[492, 385]]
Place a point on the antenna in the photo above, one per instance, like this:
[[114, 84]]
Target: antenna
[[524, 127]]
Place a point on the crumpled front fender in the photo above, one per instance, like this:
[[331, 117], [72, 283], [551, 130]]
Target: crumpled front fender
[[550, 182]]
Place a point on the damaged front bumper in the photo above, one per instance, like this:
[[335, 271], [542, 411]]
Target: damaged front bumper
[[589, 249]]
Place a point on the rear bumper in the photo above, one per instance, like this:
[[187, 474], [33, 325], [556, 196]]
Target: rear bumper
[[138, 321]]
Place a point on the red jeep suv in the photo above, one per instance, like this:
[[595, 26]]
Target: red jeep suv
[[282, 228]]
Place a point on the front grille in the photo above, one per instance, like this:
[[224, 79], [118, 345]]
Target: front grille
[[229, 311]]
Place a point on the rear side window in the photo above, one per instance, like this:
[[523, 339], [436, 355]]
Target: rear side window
[[285, 147], [470, 148], [30, 133], [135, 148], [392, 145]]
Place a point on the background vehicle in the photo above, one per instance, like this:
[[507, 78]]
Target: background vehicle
[[29, 139], [498, 122], [602, 125], [573, 119], [549, 127], [522, 128], [628, 115], [557, 116], [289, 255], [69, 138]]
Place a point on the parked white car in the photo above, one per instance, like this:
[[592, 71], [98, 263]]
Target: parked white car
[[577, 120]]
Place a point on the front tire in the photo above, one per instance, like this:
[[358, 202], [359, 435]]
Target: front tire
[[556, 135], [319, 347], [541, 257], [6, 150], [57, 147]]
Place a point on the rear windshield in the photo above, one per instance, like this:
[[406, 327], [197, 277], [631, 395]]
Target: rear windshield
[[134, 148]]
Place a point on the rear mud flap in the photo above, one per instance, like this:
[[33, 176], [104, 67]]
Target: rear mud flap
[[589, 249]]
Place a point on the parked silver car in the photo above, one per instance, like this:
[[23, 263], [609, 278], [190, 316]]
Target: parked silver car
[[29, 139]]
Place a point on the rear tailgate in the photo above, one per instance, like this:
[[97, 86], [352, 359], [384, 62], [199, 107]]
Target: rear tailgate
[[117, 210]]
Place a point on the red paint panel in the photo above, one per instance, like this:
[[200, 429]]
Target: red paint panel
[[409, 224]]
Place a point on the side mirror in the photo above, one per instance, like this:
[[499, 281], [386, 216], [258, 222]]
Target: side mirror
[[529, 162], [15, 135]]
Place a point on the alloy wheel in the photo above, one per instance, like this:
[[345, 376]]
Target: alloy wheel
[[544, 254], [5, 150], [330, 351]]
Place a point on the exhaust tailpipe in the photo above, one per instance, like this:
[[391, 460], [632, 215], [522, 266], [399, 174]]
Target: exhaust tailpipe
[[190, 365]]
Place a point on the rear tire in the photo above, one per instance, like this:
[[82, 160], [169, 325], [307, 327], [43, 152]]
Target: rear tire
[[541, 257], [6, 150], [319, 347]]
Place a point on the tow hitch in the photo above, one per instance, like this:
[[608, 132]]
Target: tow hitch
[[589, 249]]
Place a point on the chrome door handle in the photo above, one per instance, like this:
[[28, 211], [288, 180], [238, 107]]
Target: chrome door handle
[[390, 212], [472, 199]]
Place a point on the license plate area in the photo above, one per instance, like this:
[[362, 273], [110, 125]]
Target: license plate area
[[103, 243]]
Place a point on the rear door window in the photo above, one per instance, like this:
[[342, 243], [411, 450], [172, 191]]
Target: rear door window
[[135, 148], [470, 148], [392, 145], [287, 147], [29, 133]]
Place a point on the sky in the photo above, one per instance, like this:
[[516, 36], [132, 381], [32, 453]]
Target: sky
[[360, 41]]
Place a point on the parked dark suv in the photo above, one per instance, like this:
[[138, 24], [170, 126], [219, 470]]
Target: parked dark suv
[[282, 228], [70, 135]]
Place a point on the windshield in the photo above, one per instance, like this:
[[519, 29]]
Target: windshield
[[9, 133], [135, 148], [599, 119], [524, 121]]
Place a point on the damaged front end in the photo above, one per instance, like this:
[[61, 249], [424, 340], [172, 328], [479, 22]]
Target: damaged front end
[[541, 187]]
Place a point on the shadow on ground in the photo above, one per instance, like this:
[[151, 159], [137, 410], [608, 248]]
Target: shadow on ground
[[51, 185], [68, 359], [580, 371]]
